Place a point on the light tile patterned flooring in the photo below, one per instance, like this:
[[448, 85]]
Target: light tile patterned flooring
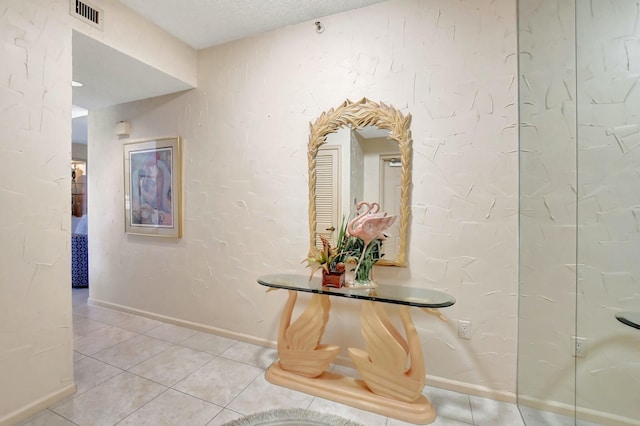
[[131, 370]]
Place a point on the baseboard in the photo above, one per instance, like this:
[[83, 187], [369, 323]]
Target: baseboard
[[581, 413], [37, 406], [546, 405], [184, 323], [471, 389], [604, 418], [452, 385], [439, 382], [344, 360]]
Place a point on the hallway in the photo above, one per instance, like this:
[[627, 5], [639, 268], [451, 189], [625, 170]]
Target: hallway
[[132, 370]]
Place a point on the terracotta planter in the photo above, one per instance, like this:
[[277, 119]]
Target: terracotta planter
[[332, 279]]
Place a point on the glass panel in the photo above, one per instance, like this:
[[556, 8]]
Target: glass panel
[[419, 297], [608, 98], [579, 104], [546, 367]]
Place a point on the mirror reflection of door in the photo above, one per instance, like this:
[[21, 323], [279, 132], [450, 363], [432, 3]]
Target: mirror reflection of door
[[348, 170], [328, 205], [390, 190]]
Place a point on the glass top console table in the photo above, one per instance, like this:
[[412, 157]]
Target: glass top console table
[[392, 372], [419, 297], [630, 318]]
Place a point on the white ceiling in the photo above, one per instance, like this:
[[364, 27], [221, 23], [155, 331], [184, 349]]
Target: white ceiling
[[111, 77], [205, 23]]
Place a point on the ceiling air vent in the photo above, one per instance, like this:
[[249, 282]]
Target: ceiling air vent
[[86, 12]]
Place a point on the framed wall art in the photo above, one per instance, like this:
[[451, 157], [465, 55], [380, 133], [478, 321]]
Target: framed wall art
[[153, 187]]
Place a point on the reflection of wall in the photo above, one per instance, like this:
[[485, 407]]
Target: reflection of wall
[[607, 188], [547, 203], [373, 149], [356, 174], [35, 302], [451, 65], [608, 212]]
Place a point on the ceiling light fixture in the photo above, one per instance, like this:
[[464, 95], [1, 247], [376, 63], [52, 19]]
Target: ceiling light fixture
[[76, 84]]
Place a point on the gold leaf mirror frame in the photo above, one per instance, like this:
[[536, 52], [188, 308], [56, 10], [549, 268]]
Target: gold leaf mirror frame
[[356, 115]]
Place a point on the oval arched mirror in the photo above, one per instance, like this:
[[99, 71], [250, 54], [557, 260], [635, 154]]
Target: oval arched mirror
[[360, 151]]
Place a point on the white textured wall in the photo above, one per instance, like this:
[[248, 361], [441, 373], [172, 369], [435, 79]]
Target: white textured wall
[[608, 40], [35, 148], [548, 202], [451, 64]]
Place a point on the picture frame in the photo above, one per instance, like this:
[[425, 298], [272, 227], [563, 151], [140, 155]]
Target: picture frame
[[153, 187]]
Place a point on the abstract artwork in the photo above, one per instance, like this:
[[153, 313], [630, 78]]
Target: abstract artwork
[[153, 187]]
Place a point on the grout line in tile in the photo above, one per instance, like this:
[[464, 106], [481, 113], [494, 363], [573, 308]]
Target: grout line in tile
[[198, 398], [146, 403], [173, 344], [473, 420], [152, 356], [104, 362], [244, 389], [151, 380], [60, 415]]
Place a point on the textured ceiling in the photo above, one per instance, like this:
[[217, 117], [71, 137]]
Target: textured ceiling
[[205, 23]]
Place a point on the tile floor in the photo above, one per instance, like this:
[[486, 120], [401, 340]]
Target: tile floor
[[131, 370]]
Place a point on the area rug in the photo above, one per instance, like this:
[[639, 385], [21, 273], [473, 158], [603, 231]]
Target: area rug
[[290, 417]]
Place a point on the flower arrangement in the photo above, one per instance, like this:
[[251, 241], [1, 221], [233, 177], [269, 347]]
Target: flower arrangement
[[368, 257], [359, 240]]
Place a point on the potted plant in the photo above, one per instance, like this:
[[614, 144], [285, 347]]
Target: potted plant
[[332, 260]]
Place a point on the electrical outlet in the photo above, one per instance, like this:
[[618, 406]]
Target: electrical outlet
[[464, 329], [579, 346]]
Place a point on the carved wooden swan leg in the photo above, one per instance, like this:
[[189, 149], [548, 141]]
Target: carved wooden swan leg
[[384, 368], [299, 345], [397, 395]]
